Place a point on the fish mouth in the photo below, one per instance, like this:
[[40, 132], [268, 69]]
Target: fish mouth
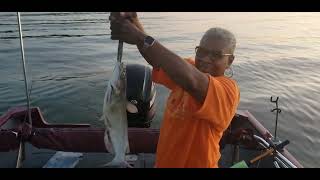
[[115, 90]]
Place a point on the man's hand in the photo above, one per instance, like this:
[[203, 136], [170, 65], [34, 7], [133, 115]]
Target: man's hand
[[123, 27], [133, 17], [129, 15]]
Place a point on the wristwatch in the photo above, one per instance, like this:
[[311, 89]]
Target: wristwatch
[[148, 42]]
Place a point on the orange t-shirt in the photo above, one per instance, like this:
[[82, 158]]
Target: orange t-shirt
[[190, 132]]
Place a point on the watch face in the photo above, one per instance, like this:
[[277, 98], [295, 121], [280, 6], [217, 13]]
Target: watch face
[[149, 40]]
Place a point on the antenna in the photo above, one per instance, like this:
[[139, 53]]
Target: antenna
[[24, 67], [21, 151]]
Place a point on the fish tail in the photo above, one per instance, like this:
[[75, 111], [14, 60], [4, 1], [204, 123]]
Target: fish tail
[[115, 163]]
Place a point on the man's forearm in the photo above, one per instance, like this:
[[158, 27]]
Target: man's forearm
[[159, 56], [147, 56]]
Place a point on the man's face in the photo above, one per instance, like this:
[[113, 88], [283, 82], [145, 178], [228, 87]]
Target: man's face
[[213, 57]]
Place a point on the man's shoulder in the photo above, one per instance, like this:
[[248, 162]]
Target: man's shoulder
[[229, 85], [225, 81], [190, 60]]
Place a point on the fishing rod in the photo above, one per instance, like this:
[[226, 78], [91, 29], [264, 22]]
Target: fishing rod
[[21, 152], [120, 50], [271, 150]]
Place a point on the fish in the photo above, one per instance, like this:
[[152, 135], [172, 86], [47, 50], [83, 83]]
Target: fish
[[114, 114]]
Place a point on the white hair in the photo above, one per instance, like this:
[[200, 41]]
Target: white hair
[[221, 34]]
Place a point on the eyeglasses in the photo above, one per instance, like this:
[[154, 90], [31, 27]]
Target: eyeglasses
[[214, 55]]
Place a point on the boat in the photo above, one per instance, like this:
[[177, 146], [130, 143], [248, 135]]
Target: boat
[[43, 140]]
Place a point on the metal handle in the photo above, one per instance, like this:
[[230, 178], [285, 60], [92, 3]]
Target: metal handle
[[120, 50], [278, 110]]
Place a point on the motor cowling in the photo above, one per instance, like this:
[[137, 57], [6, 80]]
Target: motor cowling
[[141, 92]]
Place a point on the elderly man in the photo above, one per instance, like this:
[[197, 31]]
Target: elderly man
[[202, 100]]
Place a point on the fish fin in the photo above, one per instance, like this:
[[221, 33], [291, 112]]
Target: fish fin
[[131, 107], [128, 147], [108, 142], [108, 94], [106, 122]]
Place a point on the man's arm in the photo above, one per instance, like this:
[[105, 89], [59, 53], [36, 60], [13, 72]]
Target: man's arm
[[181, 72]]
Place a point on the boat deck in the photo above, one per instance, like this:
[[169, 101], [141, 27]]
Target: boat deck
[[37, 158]]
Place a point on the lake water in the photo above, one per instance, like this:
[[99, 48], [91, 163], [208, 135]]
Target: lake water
[[70, 57]]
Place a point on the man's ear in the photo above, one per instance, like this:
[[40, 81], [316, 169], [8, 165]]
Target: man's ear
[[231, 58]]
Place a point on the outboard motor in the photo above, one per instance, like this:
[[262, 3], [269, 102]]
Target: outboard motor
[[141, 92]]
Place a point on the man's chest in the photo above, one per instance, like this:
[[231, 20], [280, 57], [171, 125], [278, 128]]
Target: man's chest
[[181, 105]]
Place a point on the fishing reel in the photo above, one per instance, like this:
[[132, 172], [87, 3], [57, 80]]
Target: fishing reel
[[141, 93]]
